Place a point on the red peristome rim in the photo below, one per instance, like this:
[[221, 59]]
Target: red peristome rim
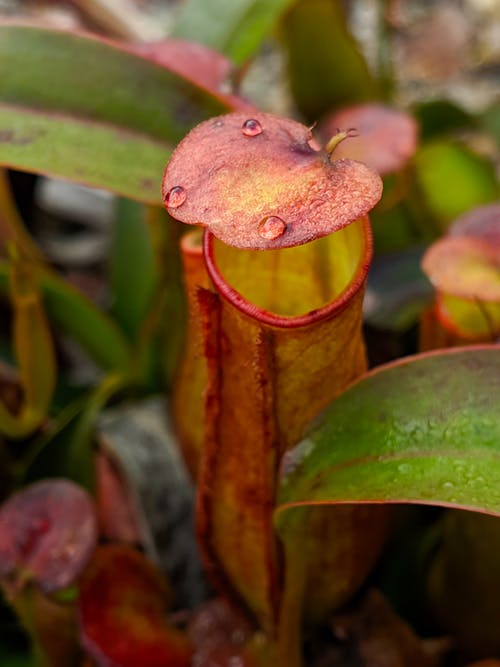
[[280, 321]]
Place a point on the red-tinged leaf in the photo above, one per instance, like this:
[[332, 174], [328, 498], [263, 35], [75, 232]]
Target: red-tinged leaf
[[256, 182], [48, 532], [110, 123], [115, 507], [202, 65], [425, 429], [123, 602], [197, 63], [383, 137]]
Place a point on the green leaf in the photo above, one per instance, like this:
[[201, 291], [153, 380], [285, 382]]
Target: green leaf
[[134, 275], [91, 111], [453, 179], [326, 67], [81, 319], [422, 430], [234, 27]]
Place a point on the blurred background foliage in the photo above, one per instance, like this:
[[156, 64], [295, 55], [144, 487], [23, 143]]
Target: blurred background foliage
[[92, 310]]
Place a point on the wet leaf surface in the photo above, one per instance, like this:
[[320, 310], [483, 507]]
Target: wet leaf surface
[[256, 182], [48, 532], [422, 430]]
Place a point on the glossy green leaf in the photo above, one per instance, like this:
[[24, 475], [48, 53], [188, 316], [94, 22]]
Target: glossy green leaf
[[81, 319], [454, 180], [421, 430], [234, 27], [133, 272], [326, 67], [102, 115]]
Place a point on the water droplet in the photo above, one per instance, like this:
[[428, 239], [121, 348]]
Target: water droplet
[[175, 197], [448, 485], [271, 228], [251, 128]]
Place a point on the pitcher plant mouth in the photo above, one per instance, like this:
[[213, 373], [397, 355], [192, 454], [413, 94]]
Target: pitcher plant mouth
[[302, 287]]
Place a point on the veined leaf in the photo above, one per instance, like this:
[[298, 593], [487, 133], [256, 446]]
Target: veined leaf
[[234, 27], [422, 430], [104, 116]]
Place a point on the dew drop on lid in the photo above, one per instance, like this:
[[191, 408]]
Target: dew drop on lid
[[175, 197], [251, 128], [272, 227]]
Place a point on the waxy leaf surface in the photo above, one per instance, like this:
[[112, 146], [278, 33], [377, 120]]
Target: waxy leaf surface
[[48, 532], [422, 430], [385, 138], [256, 182], [123, 602], [104, 115]]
